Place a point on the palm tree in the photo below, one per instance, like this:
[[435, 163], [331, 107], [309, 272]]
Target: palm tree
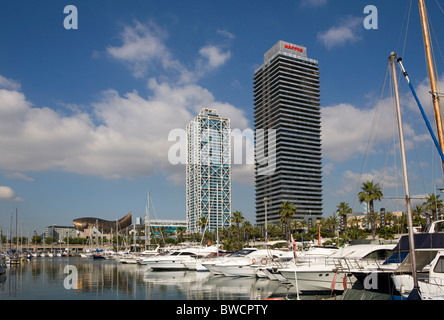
[[434, 205], [344, 210], [389, 218], [370, 192], [202, 223], [355, 222], [330, 224], [247, 228], [416, 214], [228, 244], [238, 219], [163, 233], [180, 231], [386, 232], [287, 212], [355, 233]]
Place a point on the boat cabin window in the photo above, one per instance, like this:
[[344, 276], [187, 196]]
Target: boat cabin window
[[439, 268], [242, 252], [439, 227], [396, 257], [382, 254], [188, 254]]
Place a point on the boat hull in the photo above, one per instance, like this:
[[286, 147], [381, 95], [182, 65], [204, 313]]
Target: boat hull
[[433, 289], [237, 270], [318, 281]]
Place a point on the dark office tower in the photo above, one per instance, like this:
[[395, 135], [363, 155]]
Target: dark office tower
[[288, 134]]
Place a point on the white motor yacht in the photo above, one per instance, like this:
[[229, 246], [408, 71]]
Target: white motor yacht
[[3, 265], [246, 266], [430, 280], [211, 262], [333, 271], [174, 261], [147, 254]]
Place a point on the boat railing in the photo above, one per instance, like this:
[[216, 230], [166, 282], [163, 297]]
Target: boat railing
[[314, 261], [348, 264]]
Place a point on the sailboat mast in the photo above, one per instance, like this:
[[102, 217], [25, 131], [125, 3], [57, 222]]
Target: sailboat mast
[[434, 91], [16, 231], [149, 220], [404, 170]]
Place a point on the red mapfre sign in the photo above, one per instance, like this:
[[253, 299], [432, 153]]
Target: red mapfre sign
[[293, 48]]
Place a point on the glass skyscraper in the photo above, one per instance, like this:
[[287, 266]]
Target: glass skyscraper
[[208, 171], [288, 122]]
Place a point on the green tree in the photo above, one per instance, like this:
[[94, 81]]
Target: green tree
[[355, 222], [247, 228], [400, 224], [370, 192], [330, 224], [288, 210], [237, 218], [355, 233], [389, 218], [50, 240], [202, 223], [417, 211], [228, 244], [180, 231], [343, 210], [386, 232], [434, 205]]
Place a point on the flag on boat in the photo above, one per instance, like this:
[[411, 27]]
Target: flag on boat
[[333, 283], [344, 281], [293, 243]]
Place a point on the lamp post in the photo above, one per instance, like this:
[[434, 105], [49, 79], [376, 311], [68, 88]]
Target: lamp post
[[266, 227]]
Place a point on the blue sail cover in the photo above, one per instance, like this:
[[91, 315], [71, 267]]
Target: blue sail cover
[[422, 241]]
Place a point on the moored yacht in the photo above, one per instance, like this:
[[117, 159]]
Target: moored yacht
[[431, 281], [386, 277], [211, 262], [332, 273], [3, 265], [174, 261], [246, 266]]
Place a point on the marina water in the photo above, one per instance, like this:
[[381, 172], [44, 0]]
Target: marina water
[[44, 278]]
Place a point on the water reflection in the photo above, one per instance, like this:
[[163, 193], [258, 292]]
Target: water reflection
[[43, 278]]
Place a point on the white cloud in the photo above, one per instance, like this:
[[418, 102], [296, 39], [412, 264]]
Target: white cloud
[[131, 139], [6, 193], [226, 34], [346, 31], [9, 84], [143, 47], [328, 169], [215, 56], [346, 131], [18, 175]]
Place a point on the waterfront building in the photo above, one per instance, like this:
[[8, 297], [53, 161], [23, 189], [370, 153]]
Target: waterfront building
[[208, 171], [103, 226], [59, 233], [287, 109], [170, 225]]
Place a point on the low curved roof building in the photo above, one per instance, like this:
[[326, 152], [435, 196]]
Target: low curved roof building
[[104, 226]]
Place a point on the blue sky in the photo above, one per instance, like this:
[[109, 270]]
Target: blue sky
[[85, 113]]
